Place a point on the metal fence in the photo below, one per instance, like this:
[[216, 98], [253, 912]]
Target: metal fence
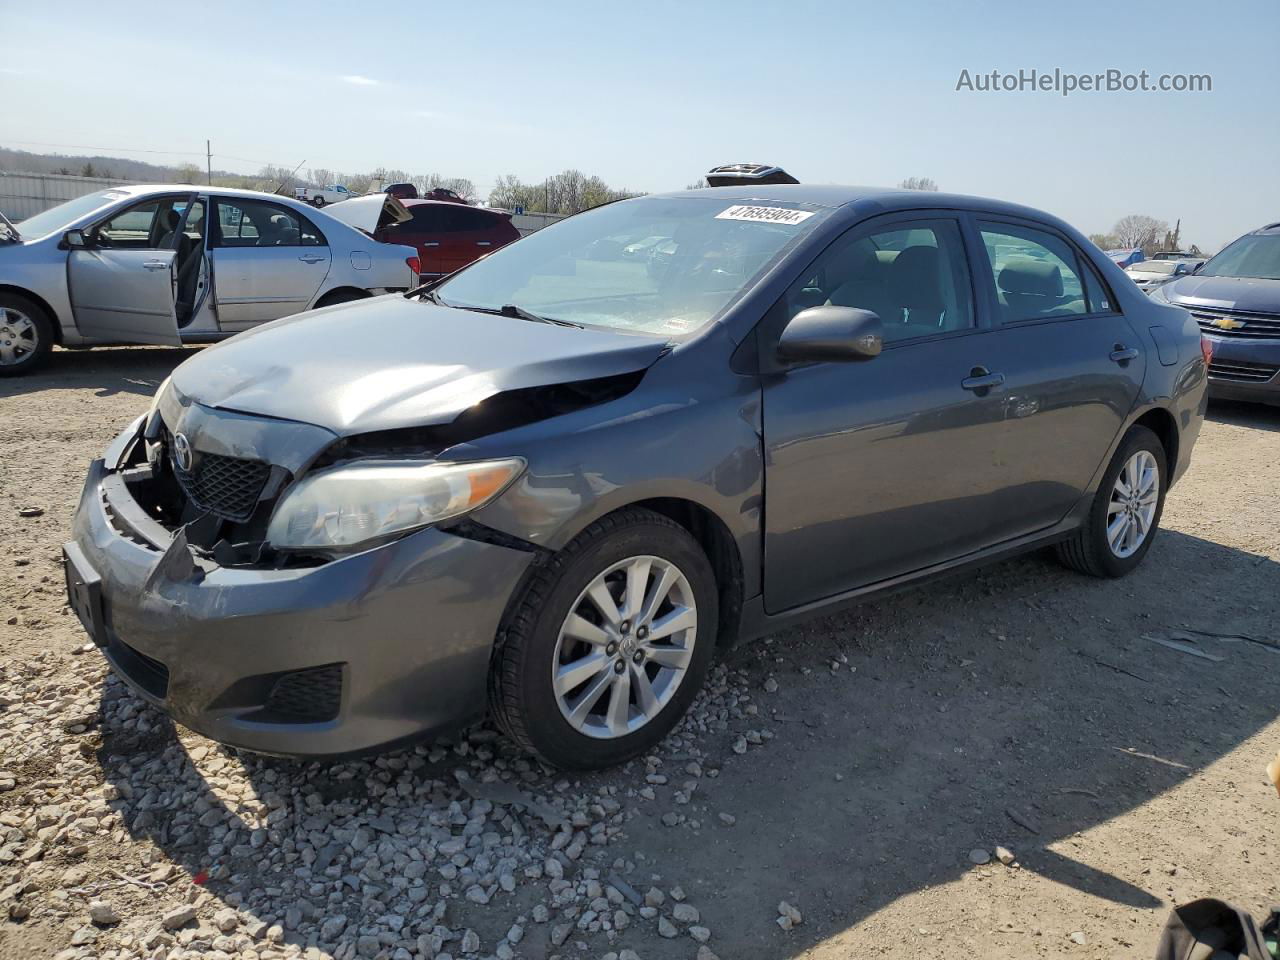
[[24, 195]]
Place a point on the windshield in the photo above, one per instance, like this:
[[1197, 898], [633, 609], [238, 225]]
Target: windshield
[[1153, 266], [652, 265], [65, 214], [1253, 256]]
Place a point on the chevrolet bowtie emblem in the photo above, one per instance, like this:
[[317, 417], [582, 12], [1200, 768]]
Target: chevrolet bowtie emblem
[[1226, 323]]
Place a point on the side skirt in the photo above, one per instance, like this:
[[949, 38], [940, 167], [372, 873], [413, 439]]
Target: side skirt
[[756, 622]]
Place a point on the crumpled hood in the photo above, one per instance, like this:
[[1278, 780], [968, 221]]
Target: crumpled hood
[[1240, 293], [390, 362]]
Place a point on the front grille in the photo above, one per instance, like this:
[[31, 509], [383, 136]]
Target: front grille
[[226, 486], [1237, 323], [1242, 372], [313, 695]]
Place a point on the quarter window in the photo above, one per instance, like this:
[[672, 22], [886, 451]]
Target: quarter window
[[913, 276], [1036, 273]]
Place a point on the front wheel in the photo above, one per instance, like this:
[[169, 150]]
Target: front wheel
[[26, 335], [608, 644], [1126, 510]]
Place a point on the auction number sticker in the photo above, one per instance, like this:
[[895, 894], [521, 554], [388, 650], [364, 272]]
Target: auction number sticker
[[764, 214]]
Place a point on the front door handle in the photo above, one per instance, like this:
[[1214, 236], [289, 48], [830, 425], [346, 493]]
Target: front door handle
[[484, 243], [433, 243], [981, 380], [1123, 354], [309, 258], [155, 264]]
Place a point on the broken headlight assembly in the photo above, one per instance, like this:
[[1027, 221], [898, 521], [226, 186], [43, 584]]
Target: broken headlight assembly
[[363, 501]]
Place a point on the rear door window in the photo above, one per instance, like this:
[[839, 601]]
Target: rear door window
[[1036, 273], [258, 223]]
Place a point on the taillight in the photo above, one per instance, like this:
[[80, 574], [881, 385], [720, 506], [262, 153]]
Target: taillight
[[414, 264], [1206, 349]]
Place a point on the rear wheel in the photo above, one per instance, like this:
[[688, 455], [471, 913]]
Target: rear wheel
[[609, 643], [317, 201], [1126, 510], [26, 335]]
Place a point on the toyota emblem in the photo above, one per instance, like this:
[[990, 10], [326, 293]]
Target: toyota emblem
[[182, 452]]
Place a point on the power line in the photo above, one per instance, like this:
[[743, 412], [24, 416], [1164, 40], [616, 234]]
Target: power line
[[83, 146]]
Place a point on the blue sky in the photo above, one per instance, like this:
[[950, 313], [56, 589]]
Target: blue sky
[[650, 95]]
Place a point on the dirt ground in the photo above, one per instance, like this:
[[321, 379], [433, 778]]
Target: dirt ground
[[1021, 706]]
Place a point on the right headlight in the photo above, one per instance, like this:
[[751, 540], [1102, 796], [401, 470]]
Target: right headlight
[[354, 504]]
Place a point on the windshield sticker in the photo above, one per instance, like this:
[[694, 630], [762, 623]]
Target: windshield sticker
[[676, 324], [764, 214]]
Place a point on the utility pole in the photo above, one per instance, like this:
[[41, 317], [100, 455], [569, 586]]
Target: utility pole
[[208, 162]]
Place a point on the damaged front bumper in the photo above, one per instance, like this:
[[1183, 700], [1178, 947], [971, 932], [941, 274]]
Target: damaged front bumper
[[357, 653]]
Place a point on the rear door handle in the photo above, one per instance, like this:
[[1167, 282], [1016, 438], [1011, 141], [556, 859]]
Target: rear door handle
[[484, 243], [155, 264], [1123, 354], [309, 258], [981, 380], [433, 243]]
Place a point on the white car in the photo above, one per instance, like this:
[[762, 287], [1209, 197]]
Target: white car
[[1149, 274], [320, 196], [173, 264]]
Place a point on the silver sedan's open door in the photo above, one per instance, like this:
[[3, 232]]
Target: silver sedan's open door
[[124, 295]]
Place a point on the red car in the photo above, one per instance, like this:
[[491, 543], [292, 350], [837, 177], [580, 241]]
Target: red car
[[448, 235]]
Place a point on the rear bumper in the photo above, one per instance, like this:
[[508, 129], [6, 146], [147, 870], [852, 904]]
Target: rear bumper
[[382, 646], [1245, 369]]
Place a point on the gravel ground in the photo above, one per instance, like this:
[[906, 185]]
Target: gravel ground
[[829, 796]]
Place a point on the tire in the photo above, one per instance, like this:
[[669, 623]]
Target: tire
[[530, 645], [1091, 550], [317, 202], [26, 335]]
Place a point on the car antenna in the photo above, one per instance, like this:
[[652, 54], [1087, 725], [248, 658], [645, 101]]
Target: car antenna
[[280, 186]]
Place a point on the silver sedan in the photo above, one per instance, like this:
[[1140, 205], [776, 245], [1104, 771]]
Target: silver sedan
[[171, 264]]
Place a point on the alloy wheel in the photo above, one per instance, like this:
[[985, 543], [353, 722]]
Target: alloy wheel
[[19, 336], [624, 647], [1132, 508]]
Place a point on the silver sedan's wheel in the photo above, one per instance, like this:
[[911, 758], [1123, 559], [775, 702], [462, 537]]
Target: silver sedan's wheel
[[625, 647], [19, 337], [1132, 509]]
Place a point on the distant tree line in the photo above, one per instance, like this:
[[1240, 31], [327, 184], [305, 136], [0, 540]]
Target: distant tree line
[[569, 192], [1151, 236]]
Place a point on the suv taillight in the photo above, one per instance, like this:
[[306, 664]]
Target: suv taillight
[[1206, 349], [414, 264]]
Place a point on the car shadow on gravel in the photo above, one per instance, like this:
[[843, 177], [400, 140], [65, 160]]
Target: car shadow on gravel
[[1016, 705], [107, 370]]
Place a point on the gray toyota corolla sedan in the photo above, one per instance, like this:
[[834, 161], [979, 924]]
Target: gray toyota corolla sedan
[[553, 485]]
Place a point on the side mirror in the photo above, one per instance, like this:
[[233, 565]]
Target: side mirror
[[832, 333], [1198, 268], [75, 239]]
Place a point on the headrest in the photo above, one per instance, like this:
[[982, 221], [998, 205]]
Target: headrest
[[914, 280], [1026, 275], [171, 219]]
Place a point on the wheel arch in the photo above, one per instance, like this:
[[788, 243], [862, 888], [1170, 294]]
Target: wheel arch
[[718, 543], [40, 302], [327, 298], [1162, 423]]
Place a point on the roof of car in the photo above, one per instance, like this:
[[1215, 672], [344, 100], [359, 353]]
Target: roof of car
[[142, 189], [890, 198]]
